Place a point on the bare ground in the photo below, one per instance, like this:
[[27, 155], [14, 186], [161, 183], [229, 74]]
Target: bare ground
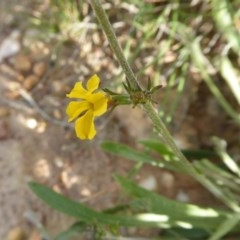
[[36, 143]]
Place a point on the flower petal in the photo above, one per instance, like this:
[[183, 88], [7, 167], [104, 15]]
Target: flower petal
[[74, 109], [93, 83], [78, 91], [84, 126], [99, 102]]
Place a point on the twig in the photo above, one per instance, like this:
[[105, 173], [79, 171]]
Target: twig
[[43, 114], [33, 107], [32, 218]]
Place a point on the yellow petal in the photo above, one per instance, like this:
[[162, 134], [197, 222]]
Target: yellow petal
[[93, 83], [99, 102], [84, 126], [74, 109], [78, 91]]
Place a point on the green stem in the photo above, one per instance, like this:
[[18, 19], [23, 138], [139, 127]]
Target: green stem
[[108, 30], [184, 164], [149, 109]]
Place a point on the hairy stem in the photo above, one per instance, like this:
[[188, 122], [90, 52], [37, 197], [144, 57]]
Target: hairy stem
[[108, 30]]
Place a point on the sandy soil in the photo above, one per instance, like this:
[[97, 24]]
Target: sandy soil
[[37, 144]]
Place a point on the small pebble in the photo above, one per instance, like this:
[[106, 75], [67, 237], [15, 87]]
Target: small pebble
[[57, 114], [10, 73], [4, 112], [16, 233], [22, 63], [149, 183], [39, 68], [30, 82], [12, 94], [4, 130], [182, 196], [10, 46]]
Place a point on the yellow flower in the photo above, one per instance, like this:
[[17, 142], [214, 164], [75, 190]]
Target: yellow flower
[[91, 104]]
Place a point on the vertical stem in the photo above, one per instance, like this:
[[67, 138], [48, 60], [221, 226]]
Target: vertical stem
[[108, 30]]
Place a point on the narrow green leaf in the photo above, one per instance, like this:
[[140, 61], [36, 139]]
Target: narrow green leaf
[[198, 154], [230, 74], [163, 150], [200, 60], [227, 226], [185, 234], [168, 161], [225, 23], [74, 230], [178, 214], [160, 211], [129, 153], [63, 204], [158, 147], [86, 214]]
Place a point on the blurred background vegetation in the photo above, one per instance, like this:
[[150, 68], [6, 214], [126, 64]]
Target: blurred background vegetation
[[191, 47], [176, 42]]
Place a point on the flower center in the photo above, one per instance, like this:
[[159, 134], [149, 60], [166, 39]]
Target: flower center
[[91, 106]]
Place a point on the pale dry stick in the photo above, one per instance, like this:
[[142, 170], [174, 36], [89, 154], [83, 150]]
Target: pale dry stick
[[18, 105], [33, 219], [33, 106], [151, 112], [43, 114], [43, 79]]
